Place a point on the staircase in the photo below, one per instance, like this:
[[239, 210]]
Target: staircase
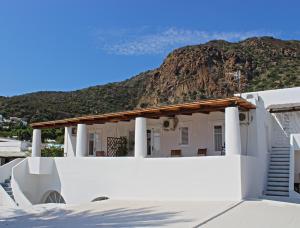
[[278, 174], [7, 187]]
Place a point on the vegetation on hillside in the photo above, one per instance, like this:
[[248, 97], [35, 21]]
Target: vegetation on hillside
[[188, 73]]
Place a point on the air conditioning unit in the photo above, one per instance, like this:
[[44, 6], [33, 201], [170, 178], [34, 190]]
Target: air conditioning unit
[[244, 117], [169, 124]]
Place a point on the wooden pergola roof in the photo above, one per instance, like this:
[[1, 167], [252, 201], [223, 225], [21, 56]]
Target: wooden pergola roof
[[203, 106]]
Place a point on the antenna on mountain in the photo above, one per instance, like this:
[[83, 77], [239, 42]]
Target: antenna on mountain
[[237, 77]]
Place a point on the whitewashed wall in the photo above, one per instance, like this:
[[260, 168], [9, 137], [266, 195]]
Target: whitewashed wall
[[84, 179], [269, 132], [8, 145]]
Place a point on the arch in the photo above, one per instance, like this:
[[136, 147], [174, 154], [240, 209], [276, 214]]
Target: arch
[[53, 197]]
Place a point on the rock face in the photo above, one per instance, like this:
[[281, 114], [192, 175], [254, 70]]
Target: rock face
[[188, 73], [208, 70]]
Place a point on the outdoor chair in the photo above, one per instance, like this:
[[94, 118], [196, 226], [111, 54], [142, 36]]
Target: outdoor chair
[[100, 154], [175, 153], [202, 152]]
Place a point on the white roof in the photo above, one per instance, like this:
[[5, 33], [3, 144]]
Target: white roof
[[12, 154]]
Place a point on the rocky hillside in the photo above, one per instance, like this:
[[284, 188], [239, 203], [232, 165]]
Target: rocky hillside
[[188, 73]]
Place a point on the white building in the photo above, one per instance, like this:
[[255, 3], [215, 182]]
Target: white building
[[11, 149], [219, 149]]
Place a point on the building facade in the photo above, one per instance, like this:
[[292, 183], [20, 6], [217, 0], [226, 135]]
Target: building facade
[[218, 149]]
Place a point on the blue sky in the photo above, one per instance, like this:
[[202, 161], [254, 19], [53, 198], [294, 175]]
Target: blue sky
[[67, 45]]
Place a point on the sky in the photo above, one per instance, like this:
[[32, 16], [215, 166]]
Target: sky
[[64, 45]]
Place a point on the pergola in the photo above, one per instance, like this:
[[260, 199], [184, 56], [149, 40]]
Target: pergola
[[203, 106]]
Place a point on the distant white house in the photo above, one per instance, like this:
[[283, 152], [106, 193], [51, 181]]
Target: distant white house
[[11, 149], [234, 148]]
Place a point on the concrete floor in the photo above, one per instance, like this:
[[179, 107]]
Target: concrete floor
[[112, 213]]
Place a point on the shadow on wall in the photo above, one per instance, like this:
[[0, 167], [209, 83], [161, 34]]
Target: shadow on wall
[[121, 217], [50, 186]]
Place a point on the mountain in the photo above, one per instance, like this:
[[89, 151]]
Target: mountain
[[188, 73]]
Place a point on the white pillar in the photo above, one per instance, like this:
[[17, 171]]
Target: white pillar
[[140, 146], [232, 131], [81, 142], [68, 145], [36, 143]]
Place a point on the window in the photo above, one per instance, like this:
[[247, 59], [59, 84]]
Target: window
[[131, 142], [74, 131], [91, 144], [218, 137], [184, 135], [149, 142]]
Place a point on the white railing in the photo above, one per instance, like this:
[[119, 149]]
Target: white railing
[[18, 176], [5, 170], [5, 173], [294, 146]]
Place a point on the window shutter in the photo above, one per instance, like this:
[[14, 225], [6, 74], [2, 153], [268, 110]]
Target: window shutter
[[184, 136]]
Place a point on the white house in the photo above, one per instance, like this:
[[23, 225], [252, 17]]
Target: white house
[[217, 149], [11, 149]]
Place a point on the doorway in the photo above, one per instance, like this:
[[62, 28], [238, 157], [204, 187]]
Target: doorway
[[153, 142], [218, 138]]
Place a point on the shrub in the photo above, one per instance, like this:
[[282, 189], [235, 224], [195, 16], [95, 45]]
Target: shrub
[[53, 152]]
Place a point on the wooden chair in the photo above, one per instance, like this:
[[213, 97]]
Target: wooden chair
[[100, 154], [175, 153], [202, 152]]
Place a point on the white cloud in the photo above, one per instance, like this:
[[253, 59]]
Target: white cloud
[[142, 42]]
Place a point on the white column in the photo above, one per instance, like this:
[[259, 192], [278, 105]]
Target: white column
[[36, 143], [140, 146], [232, 131], [81, 142], [68, 146]]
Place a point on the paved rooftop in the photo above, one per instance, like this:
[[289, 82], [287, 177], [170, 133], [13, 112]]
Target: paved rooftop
[[112, 213]]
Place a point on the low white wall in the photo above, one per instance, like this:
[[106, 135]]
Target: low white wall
[[252, 177], [81, 180], [5, 199], [5, 173], [5, 170], [294, 151], [24, 185], [40, 165]]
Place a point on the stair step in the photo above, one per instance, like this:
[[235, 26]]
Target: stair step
[[276, 193], [279, 167], [7, 188], [280, 160], [279, 171], [280, 163], [275, 183], [278, 188], [276, 156], [278, 175], [5, 185], [280, 152], [280, 147], [278, 179]]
